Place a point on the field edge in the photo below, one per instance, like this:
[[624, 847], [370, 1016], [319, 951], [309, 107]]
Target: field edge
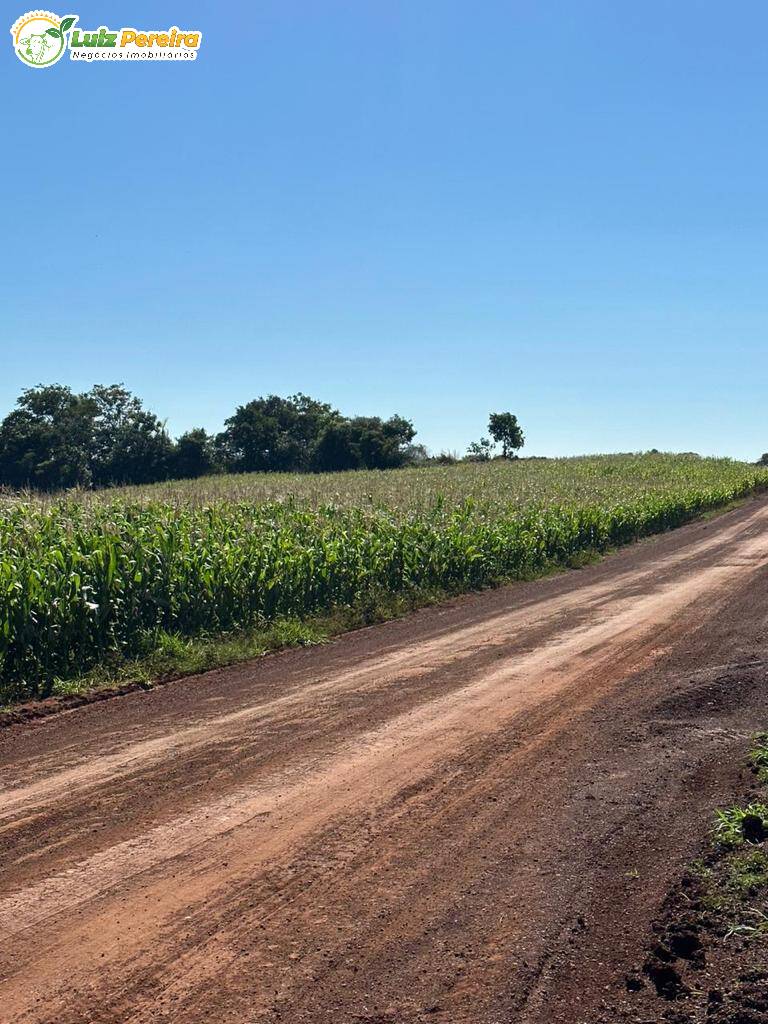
[[176, 657]]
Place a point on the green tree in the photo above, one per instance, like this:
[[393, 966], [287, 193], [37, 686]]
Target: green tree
[[56, 439], [45, 441], [274, 433], [337, 448], [130, 444], [506, 431], [365, 442], [383, 444], [193, 455], [480, 451]]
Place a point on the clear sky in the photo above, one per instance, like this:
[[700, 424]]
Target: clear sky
[[433, 208]]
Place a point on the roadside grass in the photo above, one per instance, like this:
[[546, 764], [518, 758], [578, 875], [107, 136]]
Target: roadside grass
[[737, 825], [734, 874], [709, 944], [758, 756], [166, 656]]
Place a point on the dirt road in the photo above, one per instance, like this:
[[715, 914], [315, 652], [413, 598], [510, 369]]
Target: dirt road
[[466, 816]]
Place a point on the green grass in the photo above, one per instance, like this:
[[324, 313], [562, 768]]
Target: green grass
[[735, 886], [758, 756], [169, 655], [164, 656], [734, 875], [731, 822], [173, 572], [747, 874]]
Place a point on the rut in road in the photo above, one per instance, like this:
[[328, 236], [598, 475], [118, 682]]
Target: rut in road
[[412, 823]]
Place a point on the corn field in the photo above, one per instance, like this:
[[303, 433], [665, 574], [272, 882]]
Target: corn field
[[85, 577]]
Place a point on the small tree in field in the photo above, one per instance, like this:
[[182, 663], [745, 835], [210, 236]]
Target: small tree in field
[[479, 451], [763, 460], [506, 431]]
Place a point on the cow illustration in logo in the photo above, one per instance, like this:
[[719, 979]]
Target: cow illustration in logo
[[39, 37]]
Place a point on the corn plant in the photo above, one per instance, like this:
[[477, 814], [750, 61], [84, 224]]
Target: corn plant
[[88, 577]]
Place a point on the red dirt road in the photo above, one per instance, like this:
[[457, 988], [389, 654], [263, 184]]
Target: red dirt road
[[469, 815]]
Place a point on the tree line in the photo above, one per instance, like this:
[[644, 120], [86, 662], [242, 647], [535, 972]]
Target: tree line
[[56, 438]]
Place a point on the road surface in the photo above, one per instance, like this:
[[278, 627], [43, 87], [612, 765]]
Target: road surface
[[468, 815]]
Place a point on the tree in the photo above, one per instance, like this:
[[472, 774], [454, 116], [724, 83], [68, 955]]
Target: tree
[[763, 460], [365, 442], [480, 451], [505, 430], [193, 455], [56, 439], [337, 448], [44, 442], [383, 444], [416, 455], [300, 433], [130, 444], [274, 433], [445, 458]]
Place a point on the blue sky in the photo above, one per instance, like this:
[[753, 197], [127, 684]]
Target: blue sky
[[437, 209]]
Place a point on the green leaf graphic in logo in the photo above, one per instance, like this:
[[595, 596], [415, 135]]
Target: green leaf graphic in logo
[[40, 37]]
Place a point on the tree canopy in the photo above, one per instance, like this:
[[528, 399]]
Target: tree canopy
[[56, 439], [506, 431]]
